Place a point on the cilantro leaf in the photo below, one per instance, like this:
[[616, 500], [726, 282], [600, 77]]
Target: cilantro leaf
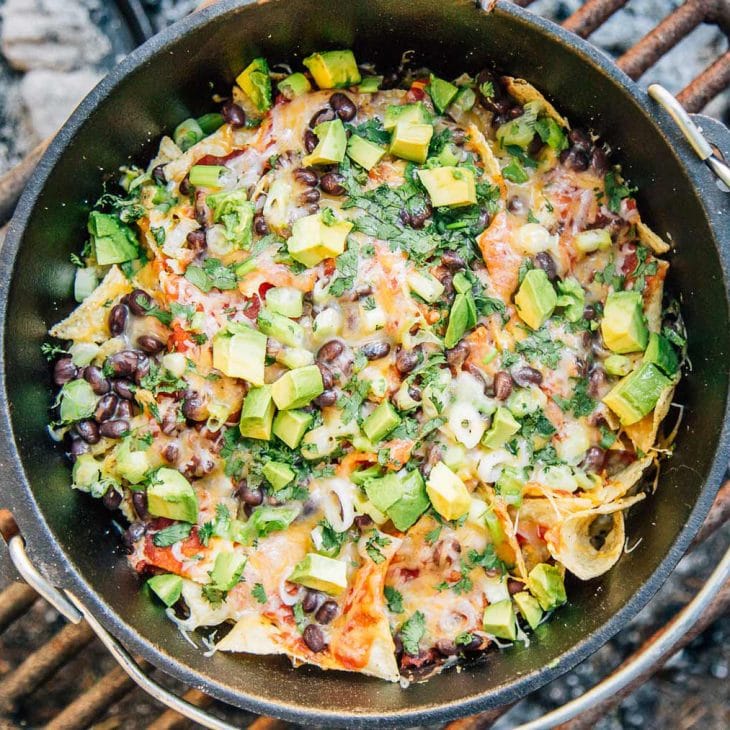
[[580, 403], [172, 534], [412, 631], [616, 191], [212, 275], [259, 593], [394, 599], [540, 347]]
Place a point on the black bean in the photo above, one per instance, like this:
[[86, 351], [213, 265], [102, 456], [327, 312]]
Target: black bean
[[496, 100], [533, 149], [580, 139], [325, 399], [330, 351], [458, 137], [124, 389], [310, 196], [250, 496], [515, 586], [139, 301], [142, 369], [203, 214], [306, 176], [89, 431], [202, 465], [260, 226], [171, 453], [95, 378], [600, 529], [452, 261], [192, 407], [106, 408], [406, 360], [375, 350], [391, 80], [114, 429], [323, 115], [118, 319], [596, 379], [169, 422], [418, 218], [594, 459], [343, 106], [150, 344], [313, 638], [502, 385], [363, 522], [516, 205], [125, 409], [158, 175], [328, 379], [415, 392], [197, 240], [589, 312], [546, 262], [474, 645], [77, 447], [575, 159], [332, 183], [185, 187], [456, 356], [526, 375], [312, 600], [64, 370], [132, 534], [139, 500], [122, 363], [326, 612], [233, 114], [599, 161], [310, 140], [111, 499], [447, 647]]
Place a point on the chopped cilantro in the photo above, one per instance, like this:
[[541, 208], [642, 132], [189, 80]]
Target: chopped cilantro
[[373, 545], [212, 275], [172, 534], [300, 618], [412, 631], [394, 599], [464, 639], [608, 437], [616, 191], [580, 403], [259, 593], [214, 596], [540, 347]]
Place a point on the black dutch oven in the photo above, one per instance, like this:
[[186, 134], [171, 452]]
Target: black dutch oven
[[170, 78]]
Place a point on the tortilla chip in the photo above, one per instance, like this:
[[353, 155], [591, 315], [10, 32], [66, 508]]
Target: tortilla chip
[[650, 239], [643, 433], [252, 634], [653, 295], [620, 484], [480, 145], [523, 92], [89, 321]]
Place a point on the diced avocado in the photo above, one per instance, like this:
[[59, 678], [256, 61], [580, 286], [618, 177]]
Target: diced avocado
[[131, 465], [636, 395], [333, 69], [233, 209], [370, 84], [206, 176], [297, 388], [362, 476], [518, 132], [442, 93], [113, 241], [295, 357], [536, 299], [240, 353], [294, 85], [171, 495], [281, 328], [504, 426], [367, 154], [660, 352], [86, 471], [257, 414], [524, 401], [82, 353], [462, 103], [412, 504], [499, 620], [410, 141], [495, 527], [285, 300], [167, 587], [529, 607], [327, 324], [187, 133], [290, 426], [384, 491], [321, 574], [427, 286], [452, 186], [617, 365], [85, 281], [407, 114], [312, 240], [380, 422], [593, 240], [278, 474], [227, 570], [175, 363], [318, 442], [255, 82], [448, 494], [623, 325], [509, 485], [332, 144], [546, 583], [78, 401]]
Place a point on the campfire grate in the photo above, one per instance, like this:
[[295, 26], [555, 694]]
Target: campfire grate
[[61, 652]]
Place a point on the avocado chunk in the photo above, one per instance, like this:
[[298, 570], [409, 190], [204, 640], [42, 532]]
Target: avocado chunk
[[504, 426], [281, 328], [660, 352], [171, 495], [233, 209], [463, 102], [255, 82], [321, 574], [623, 325], [442, 93], [380, 422], [519, 132], [297, 388], [413, 502], [448, 494], [617, 365], [384, 491], [113, 241], [636, 395], [427, 286], [332, 144], [495, 527], [333, 69], [536, 299], [227, 570], [86, 472], [78, 401], [370, 84], [294, 85], [499, 620], [167, 587], [546, 584], [278, 474], [406, 114], [240, 352], [449, 186], [131, 465], [312, 240], [295, 357], [257, 414], [529, 607], [365, 153], [290, 426], [594, 240], [285, 300], [410, 141], [509, 485]]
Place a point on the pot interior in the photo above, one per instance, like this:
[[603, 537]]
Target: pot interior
[[450, 37]]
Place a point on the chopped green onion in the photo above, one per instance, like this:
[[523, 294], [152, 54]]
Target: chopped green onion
[[206, 176], [187, 134]]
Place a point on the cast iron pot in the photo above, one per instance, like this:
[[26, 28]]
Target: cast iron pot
[[172, 77]]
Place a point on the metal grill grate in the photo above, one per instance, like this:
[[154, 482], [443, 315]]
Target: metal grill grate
[[61, 653]]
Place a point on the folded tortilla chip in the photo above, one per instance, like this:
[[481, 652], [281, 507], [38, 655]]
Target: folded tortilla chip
[[643, 433], [524, 92], [651, 239]]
